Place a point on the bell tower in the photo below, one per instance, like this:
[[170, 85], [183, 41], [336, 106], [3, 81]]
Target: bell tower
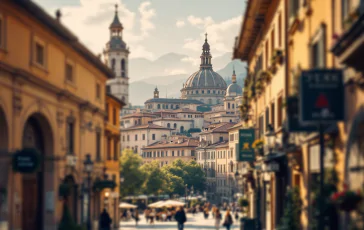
[[116, 56], [156, 92]]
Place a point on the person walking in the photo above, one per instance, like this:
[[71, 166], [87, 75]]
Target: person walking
[[136, 216], [228, 221], [217, 219], [105, 221], [180, 218]]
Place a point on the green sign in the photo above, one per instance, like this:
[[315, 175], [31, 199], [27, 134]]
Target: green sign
[[26, 160], [102, 184], [321, 96], [246, 139]]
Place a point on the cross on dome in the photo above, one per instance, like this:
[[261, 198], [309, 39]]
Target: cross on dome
[[206, 37], [116, 8]]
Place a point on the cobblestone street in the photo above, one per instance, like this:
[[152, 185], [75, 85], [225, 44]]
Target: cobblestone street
[[193, 222]]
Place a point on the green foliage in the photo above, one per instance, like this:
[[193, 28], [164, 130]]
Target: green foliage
[[292, 211], [171, 179], [155, 178], [243, 202], [67, 222], [194, 130], [130, 169]]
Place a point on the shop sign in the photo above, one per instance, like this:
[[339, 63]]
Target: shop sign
[[246, 139], [321, 96], [26, 160], [294, 123]]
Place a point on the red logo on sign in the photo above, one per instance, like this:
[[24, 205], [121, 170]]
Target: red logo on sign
[[322, 101]]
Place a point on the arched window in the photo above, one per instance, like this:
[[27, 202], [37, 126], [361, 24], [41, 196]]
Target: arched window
[[208, 91], [182, 129], [175, 125], [168, 125], [166, 106], [113, 64], [158, 106], [233, 105], [196, 91], [203, 91], [228, 105], [218, 101], [123, 68]]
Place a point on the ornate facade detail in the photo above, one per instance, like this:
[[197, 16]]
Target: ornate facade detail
[[17, 102]]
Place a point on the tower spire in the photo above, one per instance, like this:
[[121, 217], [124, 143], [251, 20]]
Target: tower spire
[[205, 37], [206, 55], [116, 8], [233, 77]]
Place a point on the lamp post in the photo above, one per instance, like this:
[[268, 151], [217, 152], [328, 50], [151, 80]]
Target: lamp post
[[271, 138], [258, 224], [88, 167], [186, 193]]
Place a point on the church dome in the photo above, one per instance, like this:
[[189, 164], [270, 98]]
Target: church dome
[[234, 90], [205, 78]]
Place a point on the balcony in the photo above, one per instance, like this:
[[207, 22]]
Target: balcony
[[349, 47]]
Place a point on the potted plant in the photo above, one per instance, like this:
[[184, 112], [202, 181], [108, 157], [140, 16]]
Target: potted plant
[[346, 200], [243, 202], [277, 57], [258, 146]]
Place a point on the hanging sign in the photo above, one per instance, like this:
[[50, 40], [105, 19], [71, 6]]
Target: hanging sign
[[26, 160], [321, 96], [246, 139], [293, 121]]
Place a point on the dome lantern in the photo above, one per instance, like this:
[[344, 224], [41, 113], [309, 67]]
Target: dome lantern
[[206, 55]]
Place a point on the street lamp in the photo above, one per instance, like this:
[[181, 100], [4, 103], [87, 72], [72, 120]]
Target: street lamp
[[88, 167], [271, 138], [258, 224], [186, 193]]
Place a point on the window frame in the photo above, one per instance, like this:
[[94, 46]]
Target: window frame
[[41, 43], [318, 39], [3, 29]]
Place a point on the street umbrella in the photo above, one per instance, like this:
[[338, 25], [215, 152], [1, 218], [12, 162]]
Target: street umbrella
[[126, 205], [156, 204], [172, 203]]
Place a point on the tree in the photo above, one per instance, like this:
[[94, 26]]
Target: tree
[[155, 178], [195, 176], [175, 184], [130, 170]]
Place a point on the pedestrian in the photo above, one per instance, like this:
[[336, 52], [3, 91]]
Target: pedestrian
[[228, 221], [236, 215], [136, 216], [146, 214], [180, 217], [104, 221], [217, 219], [151, 216]]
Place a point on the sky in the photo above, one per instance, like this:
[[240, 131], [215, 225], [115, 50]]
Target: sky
[[155, 27]]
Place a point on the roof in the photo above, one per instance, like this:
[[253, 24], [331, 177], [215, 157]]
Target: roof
[[186, 110], [176, 143], [116, 22], [121, 103], [63, 33], [234, 90], [253, 22], [138, 115], [218, 128], [205, 78], [172, 119], [173, 100], [220, 144], [238, 125], [147, 126]]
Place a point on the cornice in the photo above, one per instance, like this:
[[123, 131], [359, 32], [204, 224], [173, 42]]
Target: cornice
[[23, 76]]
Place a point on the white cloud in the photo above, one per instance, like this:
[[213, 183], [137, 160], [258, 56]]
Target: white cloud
[[140, 51], [175, 71], [200, 22], [91, 19], [146, 14], [193, 61], [180, 23], [220, 34]]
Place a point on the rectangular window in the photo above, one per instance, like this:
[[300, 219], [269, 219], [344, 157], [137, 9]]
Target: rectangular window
[[279, 111], [128, 138], [39, 54], [272, 41], [192, 152], [183, 153], [318, 53], [266, 54], [69, 72], [123, 138], [266, 119], [261, 126], [98, 146], [294, 6], [136, 137], [272, 113], [114, 116], [143, 137], [108, 148], [231, 137], [98, 91], [116, 150], [136, 149], [153, 137], [2, 33], [70, 137], [280, 30]]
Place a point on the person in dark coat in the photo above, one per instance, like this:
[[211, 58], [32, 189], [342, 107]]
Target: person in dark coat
[[105, 221], [228, 220], [180, 218]]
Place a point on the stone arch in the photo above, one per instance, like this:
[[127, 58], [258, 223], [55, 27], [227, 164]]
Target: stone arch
[[354, 157], [72, 200], [4, 128], [37, 133]]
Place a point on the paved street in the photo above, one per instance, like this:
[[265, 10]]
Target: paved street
[[193, 222]]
